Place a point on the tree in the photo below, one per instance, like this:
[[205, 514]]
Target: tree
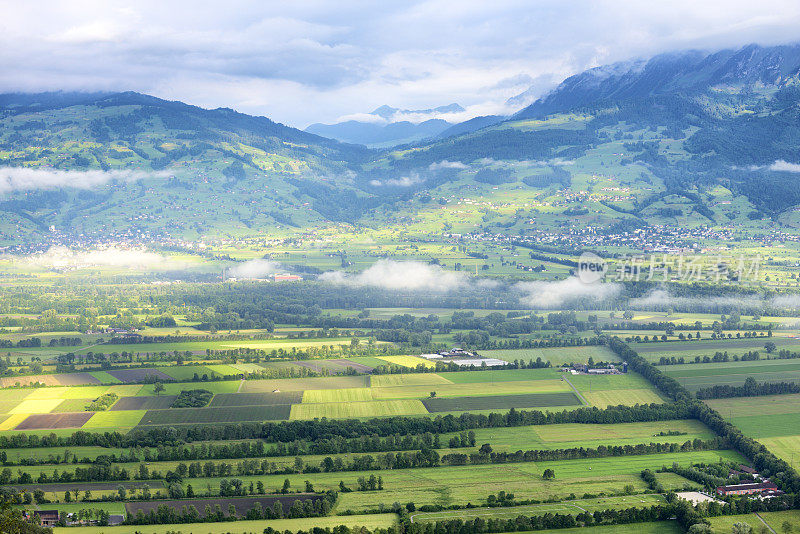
[[433, 394], [769, 346], [741, 528], [158, 387], [699, 528], [485, 449], [13, 521], [549, 474], [286, 485]]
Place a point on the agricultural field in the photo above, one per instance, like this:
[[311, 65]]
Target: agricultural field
[[708, 347], [703, 375], [773, 520], [773, 420], [370, 521], [331, 397]]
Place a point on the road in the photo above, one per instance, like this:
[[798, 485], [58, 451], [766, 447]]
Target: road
[[578, 393]]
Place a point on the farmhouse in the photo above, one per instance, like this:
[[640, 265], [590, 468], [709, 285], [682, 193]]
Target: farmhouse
[[748, 489], [49, 518]]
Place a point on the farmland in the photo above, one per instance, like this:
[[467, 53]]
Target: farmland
[[330, 416]]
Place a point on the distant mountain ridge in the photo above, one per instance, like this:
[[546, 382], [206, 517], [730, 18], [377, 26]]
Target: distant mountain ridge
[[686, 73], [386, 131]]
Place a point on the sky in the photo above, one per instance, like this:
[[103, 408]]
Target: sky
[[301, 62]]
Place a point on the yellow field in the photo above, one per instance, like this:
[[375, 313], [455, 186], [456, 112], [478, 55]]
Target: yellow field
[[72, 392], [337, 395], [413, 379], [349, 410], [471, 390], [13, 421], [628, 397], [407, 361], [35, 406]]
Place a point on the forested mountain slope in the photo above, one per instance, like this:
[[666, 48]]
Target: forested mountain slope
[[685, 139]]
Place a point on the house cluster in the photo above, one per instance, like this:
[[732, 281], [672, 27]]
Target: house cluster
[[583, 369], [50, 518], [762, 487]]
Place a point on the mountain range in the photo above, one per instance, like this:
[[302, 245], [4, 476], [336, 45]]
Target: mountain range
[[387, 126], [684, 139]]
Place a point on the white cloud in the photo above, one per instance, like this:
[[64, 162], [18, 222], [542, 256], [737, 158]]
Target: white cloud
[[26, 178], [257, 268], [64, 258], [304, 62], [404, 181], [391, 274], [785, 166], [786, 301], [445, 164], [660, 298], [556, 294]]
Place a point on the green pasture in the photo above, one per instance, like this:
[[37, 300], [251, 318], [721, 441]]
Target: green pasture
[[566, 507], [370, 521], [117, 419], [473, 483], [708, 347]]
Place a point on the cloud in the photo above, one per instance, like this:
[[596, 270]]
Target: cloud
[[404, 181], [569, 290], [257, 268], [26, 178], [304, 62], [660, 298], [786, 301], [62, 258], [397, 275], [445, 164], [784, 166]]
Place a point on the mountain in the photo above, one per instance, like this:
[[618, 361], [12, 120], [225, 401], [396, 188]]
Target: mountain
[[688, 140], [198, 170], [384, 130], [685, 139], [686, 73]]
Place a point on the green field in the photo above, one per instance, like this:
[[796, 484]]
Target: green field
[[450, 485], [371, 521], [568, 507], [229, 414], [348, 410], [775, 520], [774, 420], [413, 379], [703, 375], [337, 395], [302, 384], [501, 402], [707, 347], [118, 419], [508, 375]]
